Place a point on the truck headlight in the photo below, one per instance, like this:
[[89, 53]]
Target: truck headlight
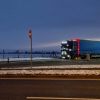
[[64, 53], [70, 49], [68, 56]]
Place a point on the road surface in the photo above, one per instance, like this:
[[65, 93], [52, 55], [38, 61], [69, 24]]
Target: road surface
[[58, 89], [48, 62]]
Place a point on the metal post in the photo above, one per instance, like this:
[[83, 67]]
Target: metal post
[[30, 36], [3, 53], [31, 52]]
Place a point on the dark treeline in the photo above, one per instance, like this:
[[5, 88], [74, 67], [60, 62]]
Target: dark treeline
[[27, 52]]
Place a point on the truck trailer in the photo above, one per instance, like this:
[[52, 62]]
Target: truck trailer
[[80, 48]]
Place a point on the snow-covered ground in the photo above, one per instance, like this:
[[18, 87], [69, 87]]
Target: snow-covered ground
[[52, 72], [55, 67], [67, 66], [46, 71], [27, 59]]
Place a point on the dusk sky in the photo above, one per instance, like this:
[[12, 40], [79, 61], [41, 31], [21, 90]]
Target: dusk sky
[[51, 21]]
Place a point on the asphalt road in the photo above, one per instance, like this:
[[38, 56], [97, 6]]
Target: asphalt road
[[24, 89], [57, 62]]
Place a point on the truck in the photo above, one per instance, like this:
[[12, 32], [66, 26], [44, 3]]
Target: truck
[[80, 48]]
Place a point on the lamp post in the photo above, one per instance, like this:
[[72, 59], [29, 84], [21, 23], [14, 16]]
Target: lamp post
[[30, 36]]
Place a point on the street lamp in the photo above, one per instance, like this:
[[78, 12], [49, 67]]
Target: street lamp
[[30, 36]]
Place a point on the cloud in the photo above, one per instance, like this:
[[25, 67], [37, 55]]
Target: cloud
[[48, 45], [93, 39]]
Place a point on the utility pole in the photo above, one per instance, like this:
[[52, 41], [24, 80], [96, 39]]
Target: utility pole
[[3, 53], [30, 36]]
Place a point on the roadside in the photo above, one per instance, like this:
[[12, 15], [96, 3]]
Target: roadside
[[52, 68], [50, 73]]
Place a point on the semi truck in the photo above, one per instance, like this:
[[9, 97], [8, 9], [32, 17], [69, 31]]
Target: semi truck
[[80, 48]]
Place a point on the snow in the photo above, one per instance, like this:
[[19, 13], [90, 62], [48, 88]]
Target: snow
[[48, 71]]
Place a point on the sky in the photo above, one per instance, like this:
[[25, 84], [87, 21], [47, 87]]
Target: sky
[[51, 21]]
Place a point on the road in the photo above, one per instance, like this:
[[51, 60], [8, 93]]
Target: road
[[48, 62], [29, 89]]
